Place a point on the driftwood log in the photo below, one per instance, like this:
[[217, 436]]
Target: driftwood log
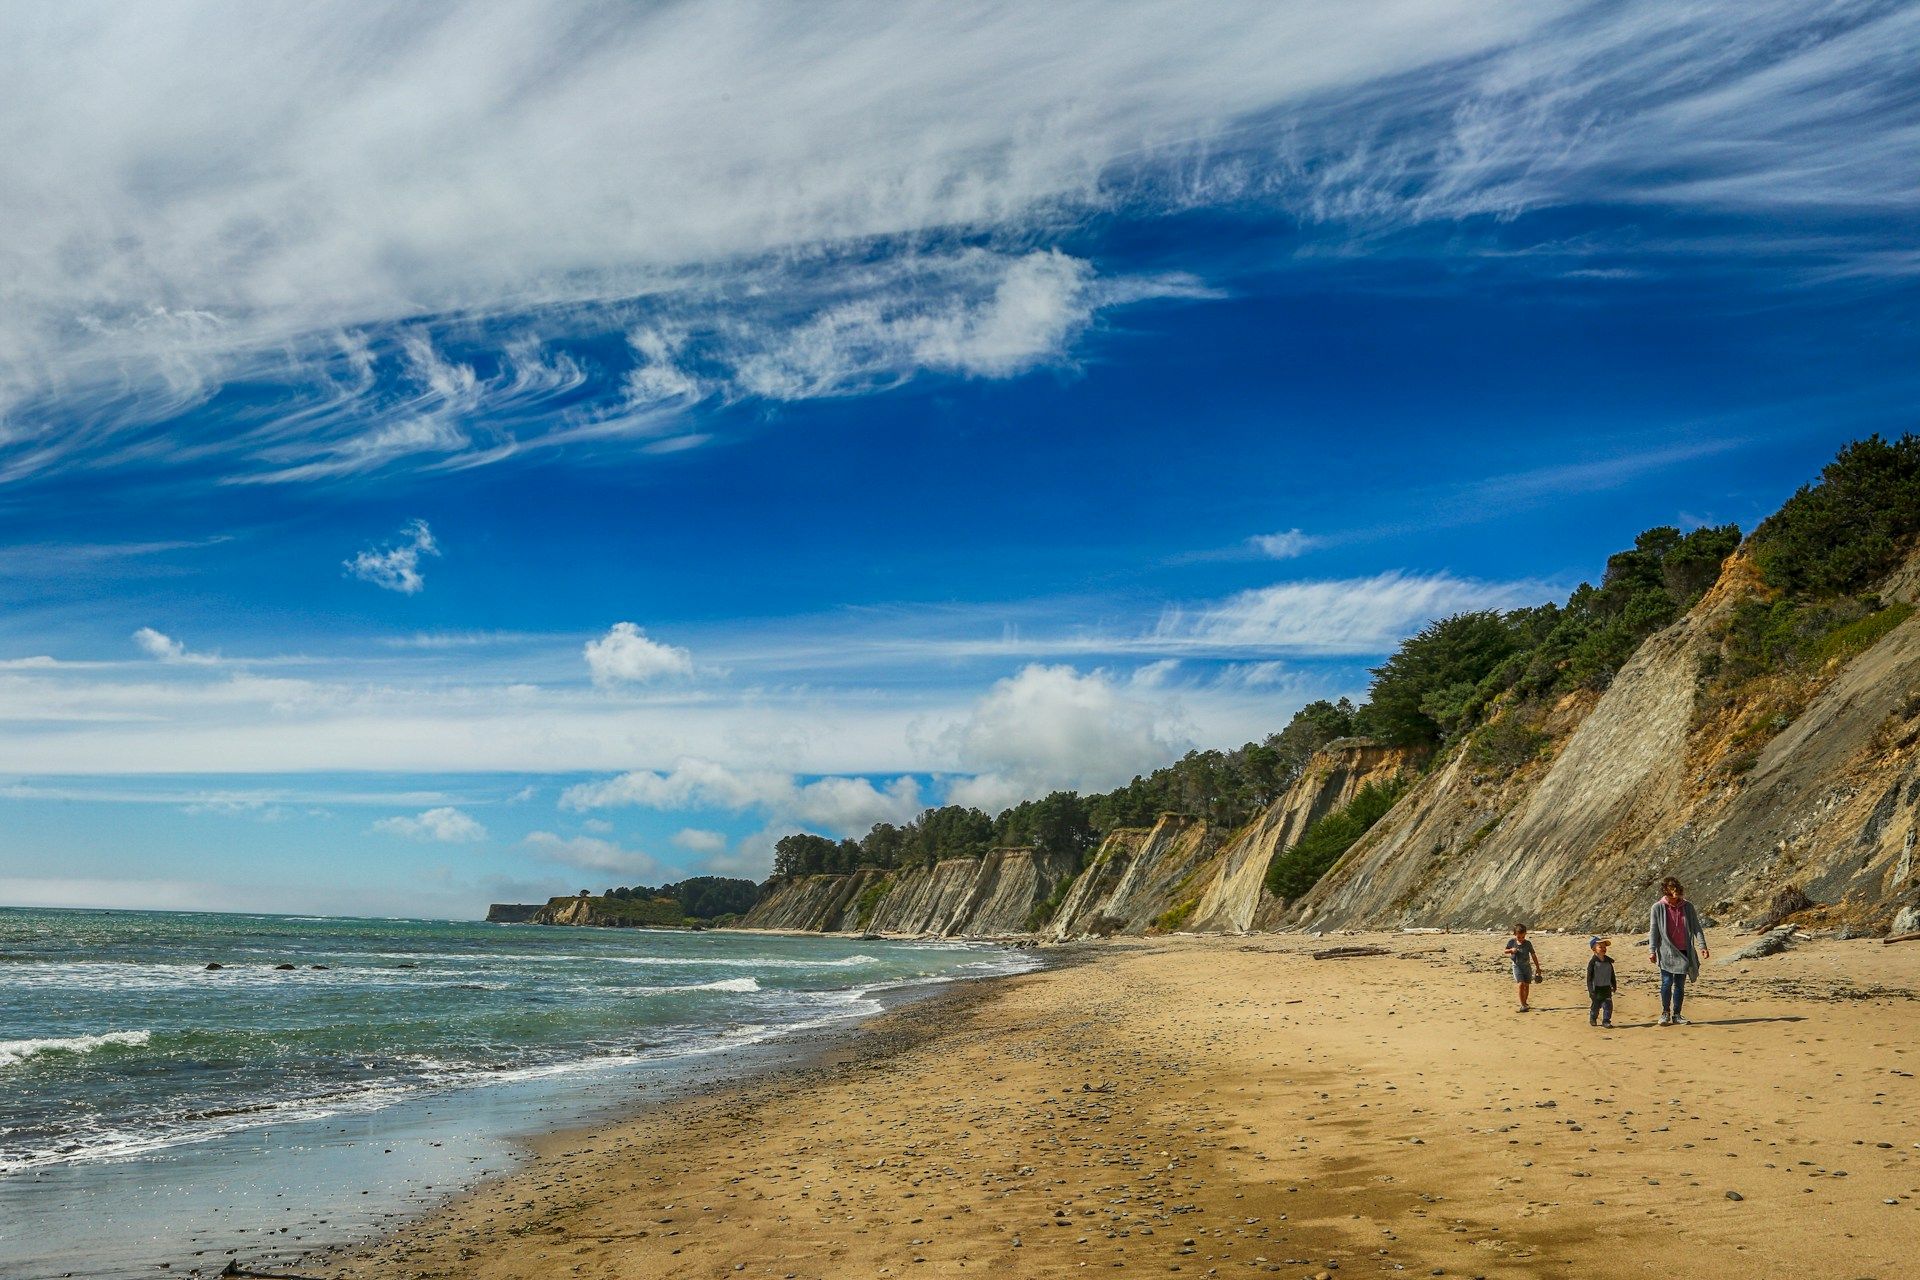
[[1900, 937], [1349, 953]]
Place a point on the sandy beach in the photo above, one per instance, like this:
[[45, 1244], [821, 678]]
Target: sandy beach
[[1230, 1105]]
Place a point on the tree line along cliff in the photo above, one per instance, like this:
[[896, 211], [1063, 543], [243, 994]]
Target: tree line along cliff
[[1741, 712]]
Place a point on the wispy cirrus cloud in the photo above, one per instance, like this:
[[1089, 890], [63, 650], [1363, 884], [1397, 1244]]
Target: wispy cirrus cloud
[[416, 259], [1339, 616]]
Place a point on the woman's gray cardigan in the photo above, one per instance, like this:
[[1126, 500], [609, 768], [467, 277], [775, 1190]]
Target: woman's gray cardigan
[[1673, 960]]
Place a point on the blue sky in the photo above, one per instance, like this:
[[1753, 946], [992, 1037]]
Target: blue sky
[[458, 458]]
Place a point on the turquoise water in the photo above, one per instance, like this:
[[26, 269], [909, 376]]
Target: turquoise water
[[135, 1079]]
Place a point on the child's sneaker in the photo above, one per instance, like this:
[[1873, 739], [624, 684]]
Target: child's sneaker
[[1593, 1022], [1679, 1021], [1666, 1020]]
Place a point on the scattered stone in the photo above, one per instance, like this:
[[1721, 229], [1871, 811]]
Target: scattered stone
[[1735, 1195]]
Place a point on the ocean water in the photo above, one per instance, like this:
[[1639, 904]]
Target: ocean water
[[153, 1109]]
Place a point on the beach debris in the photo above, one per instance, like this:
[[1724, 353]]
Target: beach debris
[[1785, 901], [1772, 944], [1350, 953], [1901, 937]]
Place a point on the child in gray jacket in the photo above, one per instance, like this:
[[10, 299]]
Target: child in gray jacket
[[1600, 984]]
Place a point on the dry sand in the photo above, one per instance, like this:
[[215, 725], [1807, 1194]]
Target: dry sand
[[1231, 1106]]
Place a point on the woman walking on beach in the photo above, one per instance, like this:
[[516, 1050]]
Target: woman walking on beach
[[1677, 943]]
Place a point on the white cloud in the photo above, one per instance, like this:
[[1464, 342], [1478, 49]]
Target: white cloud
[[1284, 546], [699, 840], [843, 806], [396, 566], [445, 824], [164, 648], [1051, 727], [589, 853], [1336, 616], [157, 645], [626, 656], [793, 191]]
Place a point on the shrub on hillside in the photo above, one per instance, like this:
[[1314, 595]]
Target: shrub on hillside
[[1297, 868]]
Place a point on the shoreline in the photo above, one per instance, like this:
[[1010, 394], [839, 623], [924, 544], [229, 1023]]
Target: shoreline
[[1229, 1104], [272, 1191]]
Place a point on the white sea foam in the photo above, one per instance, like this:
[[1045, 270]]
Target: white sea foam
[[719, 984], [13, 1052], [740, 962]]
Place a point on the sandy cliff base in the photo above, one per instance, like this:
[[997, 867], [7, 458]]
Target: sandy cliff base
[[1227, 1107]]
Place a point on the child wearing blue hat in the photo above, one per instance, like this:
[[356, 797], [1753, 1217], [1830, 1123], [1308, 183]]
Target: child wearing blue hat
[[1600, 984]]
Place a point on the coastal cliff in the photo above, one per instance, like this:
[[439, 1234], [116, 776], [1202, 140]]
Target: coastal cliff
[[1739, 711], [594, 911], [985, 897], [1801, 788], [1185, 875], [512, 912]]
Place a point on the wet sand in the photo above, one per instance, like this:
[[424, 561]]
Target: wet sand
[[1231, 1106]]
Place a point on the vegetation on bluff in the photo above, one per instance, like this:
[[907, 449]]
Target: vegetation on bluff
[[695, 898], [1297, 868]]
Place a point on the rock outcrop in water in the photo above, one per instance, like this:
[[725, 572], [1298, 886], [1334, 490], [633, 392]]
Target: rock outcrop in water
[[986, 897], [512, 912]]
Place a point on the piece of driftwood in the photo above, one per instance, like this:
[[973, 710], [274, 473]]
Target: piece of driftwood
[[1900, 937], [1349, 953], [1772, 944]]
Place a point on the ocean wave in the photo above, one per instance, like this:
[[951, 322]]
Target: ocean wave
[[13, 1052], [719, 984], [742, 962]]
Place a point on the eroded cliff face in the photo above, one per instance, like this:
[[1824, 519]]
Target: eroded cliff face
[[1236, 900], [1185, 875], [988, 897], [1653, 782], [1137, 876], [813, 904]]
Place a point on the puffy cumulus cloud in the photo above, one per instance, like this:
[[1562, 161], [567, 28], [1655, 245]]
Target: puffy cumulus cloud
[[699, 840], [1283, 546], [164, 648], [590, 853], [396, 566], [158, 645], [1335, 616], [625, 655], [1051, 727], [445, 824], [840, 805]]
